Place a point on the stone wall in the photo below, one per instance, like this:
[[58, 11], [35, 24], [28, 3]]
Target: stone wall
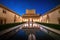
[[8, 16], [51, 17]]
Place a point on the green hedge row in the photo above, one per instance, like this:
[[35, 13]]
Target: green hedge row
[[55, 26], [6, 26]]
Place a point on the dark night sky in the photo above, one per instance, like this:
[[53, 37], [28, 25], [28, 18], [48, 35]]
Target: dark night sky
[[20, 6]]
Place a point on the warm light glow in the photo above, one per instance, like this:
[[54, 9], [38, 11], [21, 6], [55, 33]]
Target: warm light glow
[[25, 19], [30, 19], [26, 25], [41, 19], [34, 25], [30, 25], [47, 20]]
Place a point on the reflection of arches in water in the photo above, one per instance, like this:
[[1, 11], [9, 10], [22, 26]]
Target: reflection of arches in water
[[31, 37], [30, 22]]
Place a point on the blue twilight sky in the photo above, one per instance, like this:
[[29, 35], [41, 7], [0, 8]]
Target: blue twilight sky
[[20, 6]]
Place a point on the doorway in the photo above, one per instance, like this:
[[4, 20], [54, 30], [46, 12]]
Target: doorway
[[1, 21], [59, 20]]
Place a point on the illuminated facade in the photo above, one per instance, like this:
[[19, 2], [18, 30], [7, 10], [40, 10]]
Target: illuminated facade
[[31, 16], [8, 16], [52, 16]]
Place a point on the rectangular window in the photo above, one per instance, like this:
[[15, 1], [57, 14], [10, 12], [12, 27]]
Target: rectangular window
[[4, 11]]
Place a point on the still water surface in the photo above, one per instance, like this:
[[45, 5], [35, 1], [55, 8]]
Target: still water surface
[[21, 35]]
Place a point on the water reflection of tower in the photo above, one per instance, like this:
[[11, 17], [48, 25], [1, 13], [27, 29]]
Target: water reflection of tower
[[30, 22], [31, 37]]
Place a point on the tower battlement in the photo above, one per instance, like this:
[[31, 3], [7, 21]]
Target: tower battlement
[[30, 11]]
